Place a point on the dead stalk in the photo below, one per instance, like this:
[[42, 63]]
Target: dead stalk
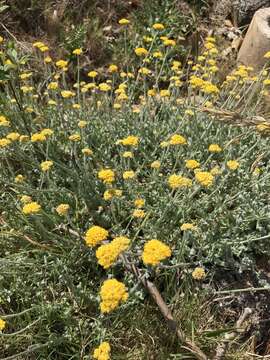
[[166, 312]]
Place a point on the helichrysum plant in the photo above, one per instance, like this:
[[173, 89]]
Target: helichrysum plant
[[119, 175]]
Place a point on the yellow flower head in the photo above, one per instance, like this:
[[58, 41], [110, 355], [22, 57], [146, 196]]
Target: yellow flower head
[[205, 178], [233, 164], [13, 136], [154, 252], [139, 203], [77, 52], [169, 42], [26, 199], [38, 44], [82, 124], [4, 122], [127, 154], [141, 51], [112, 294], [113, 68], [189, 112], [130, 174], [38, 137], [187, 226], [75, 137], [107, 254], [95, 235], [87, 151], [19, 179], [92, 74], [31, 208], [52, 85], [46, 132], [177, 139], [25, 76], [214, 148], [157, 54], [102, 352], [129, 141], [155, 164], [192, 164], [62, 209], [158, 26], [138, 213], [66, 94], [106, 175], [110, 193], [104, 87], [2, 324], [123, 22], [47, 59], [179, 181], [46, 165], [198, 273], [4, 142], [164, 93], [61, 64]]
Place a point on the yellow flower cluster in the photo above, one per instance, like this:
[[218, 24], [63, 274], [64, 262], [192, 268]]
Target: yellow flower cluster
[[214, 148], [203, 85], [233, 164], [129, 141], [178, 181], [2, 324], [62, 209], [198, 273], [95, 235], [205, 178], [177, 140], [107, 176], [130, 174], [154, 252], [4, 122], [31, 208], [19, 178], [187, 226], [111, 193], [141, 51], [192, 164], [112, 293], [102, 352], [107, 254], [46, 165], [138, 213]]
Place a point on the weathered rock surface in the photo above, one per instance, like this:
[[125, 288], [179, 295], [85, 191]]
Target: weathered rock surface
[[257, 40], [240, 11]]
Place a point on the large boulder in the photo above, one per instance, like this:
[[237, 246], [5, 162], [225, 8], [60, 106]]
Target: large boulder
[[257, 40], [240, 11]]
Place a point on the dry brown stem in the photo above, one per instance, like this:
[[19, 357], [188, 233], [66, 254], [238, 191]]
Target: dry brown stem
[[166, 312]]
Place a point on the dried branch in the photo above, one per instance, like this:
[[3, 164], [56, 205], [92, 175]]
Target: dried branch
[[166, 312]]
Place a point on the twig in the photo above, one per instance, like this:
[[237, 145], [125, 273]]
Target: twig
[[27, 238], [9, 316], [29, 350], [20, 331], [233, 291], [229, 337]]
